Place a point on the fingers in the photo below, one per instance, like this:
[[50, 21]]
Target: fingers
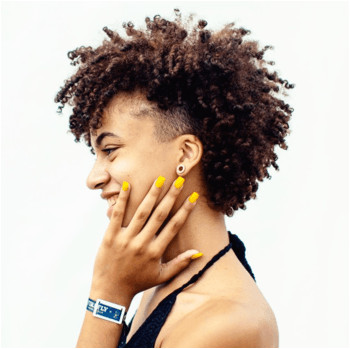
[[162, 211], [145, 208], [179, 263], [147, 231], [118, 211], [175, 224]]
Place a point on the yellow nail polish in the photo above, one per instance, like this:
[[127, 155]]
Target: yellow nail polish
[[125, 186], [197, 255], [179, 182], [193, 198], [160, 181]]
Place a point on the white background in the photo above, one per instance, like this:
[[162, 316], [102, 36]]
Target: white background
[[296, 232]]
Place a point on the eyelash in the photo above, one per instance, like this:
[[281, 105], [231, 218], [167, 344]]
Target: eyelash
[[109, 150]]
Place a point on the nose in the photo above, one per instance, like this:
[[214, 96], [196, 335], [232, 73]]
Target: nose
[[97, 177]]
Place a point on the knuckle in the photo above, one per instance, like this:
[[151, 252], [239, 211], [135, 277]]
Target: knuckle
[[177, 223], [187, 209], [122, 199], [154, 193], [153, 253], [174, 193], [142, 215], [179, 219], [136, 248], [117, 213], [161, 215], [123, 243], [108, 241], [187, 206]]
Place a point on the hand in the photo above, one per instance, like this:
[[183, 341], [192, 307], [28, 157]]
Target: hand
[[129, 258]]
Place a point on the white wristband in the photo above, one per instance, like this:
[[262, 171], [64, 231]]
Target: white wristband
[[107, 310]]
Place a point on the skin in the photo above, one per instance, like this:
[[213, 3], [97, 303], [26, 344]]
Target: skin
[[157, 230]]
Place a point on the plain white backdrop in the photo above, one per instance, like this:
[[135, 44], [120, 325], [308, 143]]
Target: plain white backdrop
[[295, 232]]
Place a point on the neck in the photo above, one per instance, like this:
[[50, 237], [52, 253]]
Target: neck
[[205, 231]]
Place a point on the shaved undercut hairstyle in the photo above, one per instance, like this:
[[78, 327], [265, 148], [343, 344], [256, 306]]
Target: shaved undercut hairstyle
[[215, 85]]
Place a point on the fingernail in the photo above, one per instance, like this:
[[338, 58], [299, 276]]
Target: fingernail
[[193, 198], [160, 181], [125, 186], [179, 182], [197, 255]]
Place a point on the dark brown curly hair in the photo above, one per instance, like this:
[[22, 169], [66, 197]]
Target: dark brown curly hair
[[215, 85]]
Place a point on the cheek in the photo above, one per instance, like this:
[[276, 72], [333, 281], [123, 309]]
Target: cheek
[[147, 165], [141, 171], [130, 169]]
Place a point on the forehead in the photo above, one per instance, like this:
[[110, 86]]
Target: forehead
[[128, 116]]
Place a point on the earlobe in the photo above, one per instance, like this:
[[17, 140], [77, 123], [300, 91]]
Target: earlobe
[[180, 169]]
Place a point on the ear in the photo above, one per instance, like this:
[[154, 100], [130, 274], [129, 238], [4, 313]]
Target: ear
[[190, 151]]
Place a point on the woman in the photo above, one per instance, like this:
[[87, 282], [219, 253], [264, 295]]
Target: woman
[[183, 122]]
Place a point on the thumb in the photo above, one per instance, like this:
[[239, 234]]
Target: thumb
[[179, 263]]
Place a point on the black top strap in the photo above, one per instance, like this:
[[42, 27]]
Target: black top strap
[[239, 250], [195, 277]]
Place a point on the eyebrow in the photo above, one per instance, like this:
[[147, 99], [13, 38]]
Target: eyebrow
[[99, 139]]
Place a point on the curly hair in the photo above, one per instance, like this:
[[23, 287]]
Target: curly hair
[[214, 85]]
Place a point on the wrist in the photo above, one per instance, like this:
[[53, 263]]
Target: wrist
[[119, 297]]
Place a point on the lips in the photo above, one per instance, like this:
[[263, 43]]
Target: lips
[[111, 197], [112, 200]]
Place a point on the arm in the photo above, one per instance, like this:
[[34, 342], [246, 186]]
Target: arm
[[129, 259]]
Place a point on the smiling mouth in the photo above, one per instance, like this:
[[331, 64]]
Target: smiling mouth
[[112, 200]]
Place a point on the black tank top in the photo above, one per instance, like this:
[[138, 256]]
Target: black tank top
[[146, 335]]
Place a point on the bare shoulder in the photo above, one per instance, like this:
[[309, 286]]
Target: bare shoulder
[[224, 323]]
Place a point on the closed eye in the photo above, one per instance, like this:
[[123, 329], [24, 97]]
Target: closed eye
[[108, 151]]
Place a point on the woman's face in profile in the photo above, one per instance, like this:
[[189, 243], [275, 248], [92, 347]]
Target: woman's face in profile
[[127, 150]]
